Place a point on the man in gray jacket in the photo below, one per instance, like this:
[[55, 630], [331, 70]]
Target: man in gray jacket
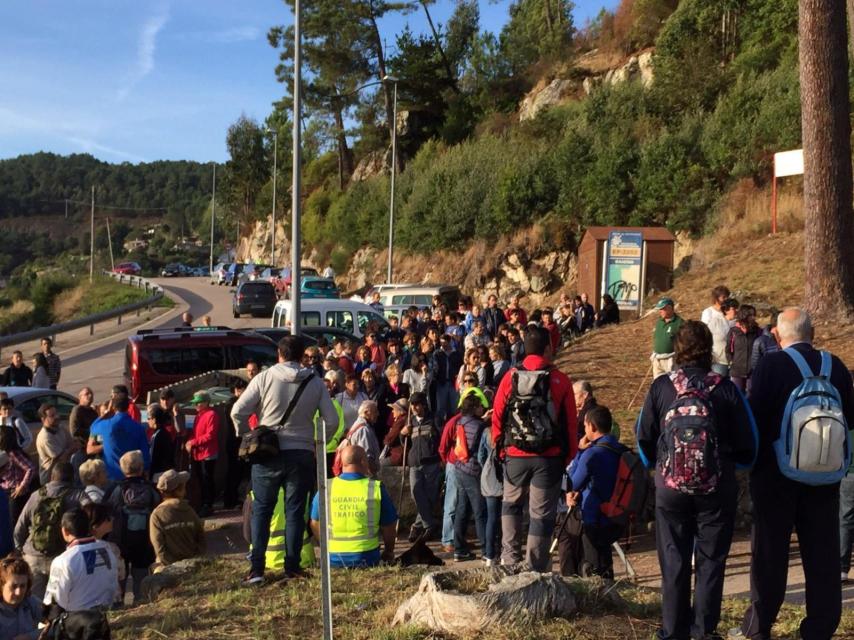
[[268, 395]]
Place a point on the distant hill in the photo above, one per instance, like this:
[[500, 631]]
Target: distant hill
[[40, 183]]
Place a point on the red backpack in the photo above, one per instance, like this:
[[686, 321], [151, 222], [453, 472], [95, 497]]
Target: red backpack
[[630, 488]]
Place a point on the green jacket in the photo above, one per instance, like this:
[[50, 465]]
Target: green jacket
[[664, 334]]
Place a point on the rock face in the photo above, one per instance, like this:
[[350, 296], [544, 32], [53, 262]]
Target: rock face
[[540, 98], [638, 67], [502, 595], [373, 164]]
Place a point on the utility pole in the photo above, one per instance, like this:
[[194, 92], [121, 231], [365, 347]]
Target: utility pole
[[296, 261], [110, 243], [391, 197], [275, 179], [92, 239], [213, 216]]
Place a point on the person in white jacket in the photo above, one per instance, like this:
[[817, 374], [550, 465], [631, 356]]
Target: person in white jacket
[[713, 317]]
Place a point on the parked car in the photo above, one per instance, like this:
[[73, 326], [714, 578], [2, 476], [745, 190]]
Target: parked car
[[256, 297], [128, 268], [28, 400], [311, 334], [173, 270], [198, 272], [350, 315], [316, 287], [155, 358]]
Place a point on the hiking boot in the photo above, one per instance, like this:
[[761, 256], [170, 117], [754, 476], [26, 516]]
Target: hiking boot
[[414, 533], [464, 557], [489, 562], [295, 574], [252, 580]]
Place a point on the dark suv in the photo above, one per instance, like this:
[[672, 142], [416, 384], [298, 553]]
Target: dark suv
[[257, 298], [155, 358]]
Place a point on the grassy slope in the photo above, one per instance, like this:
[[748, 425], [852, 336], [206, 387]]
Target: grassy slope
[[88, 298]]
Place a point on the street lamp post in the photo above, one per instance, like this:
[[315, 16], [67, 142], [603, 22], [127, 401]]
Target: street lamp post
[[275, 179], [393, 173], [213, 216]]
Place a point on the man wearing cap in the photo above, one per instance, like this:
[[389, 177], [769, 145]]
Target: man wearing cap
[[177, 533], [424, 466], [203, 447], [666, 328], [272, 395], [360, 510]]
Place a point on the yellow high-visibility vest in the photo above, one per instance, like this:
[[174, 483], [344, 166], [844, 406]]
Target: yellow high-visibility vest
[[332, 444], [274, 559], [354, 515]]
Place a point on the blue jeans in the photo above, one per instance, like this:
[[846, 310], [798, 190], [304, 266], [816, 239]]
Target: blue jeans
[[294, 471], [469, 500], [846, 521], [492, 544], [450, 505], [446, 402]]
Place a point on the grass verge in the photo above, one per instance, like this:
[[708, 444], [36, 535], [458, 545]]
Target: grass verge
[[211, 604]]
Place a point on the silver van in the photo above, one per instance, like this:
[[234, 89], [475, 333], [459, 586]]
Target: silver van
[[349, 315]]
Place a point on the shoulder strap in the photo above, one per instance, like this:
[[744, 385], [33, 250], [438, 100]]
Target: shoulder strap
[[605, 445], [801, 363], [826, 365], [294, 400]]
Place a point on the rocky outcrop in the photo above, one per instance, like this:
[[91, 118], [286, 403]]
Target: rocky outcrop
[[638, 67], [543, 97], [373, 164]]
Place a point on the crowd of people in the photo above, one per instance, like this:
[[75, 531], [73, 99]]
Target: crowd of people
[[470, 408]]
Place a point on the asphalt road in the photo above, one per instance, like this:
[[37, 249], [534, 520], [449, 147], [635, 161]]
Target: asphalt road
[[99, 363]]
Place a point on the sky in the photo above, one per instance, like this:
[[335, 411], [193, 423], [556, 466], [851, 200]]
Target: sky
[[144, 80]]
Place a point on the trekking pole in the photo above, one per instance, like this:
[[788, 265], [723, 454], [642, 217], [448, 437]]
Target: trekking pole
[[560, 531], [634, 397], [403, 470]]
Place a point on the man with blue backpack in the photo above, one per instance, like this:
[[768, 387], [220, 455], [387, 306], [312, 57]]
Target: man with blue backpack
[[803, 401], [695, 427]]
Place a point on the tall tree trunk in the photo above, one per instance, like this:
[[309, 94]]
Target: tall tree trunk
[[345, 157], [549, 20], [451, 75], [850, 7], [829, 229]]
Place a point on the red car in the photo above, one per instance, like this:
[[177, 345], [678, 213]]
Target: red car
[[128, 268]]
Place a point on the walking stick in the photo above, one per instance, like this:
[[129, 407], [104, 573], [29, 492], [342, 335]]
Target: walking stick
[[634, 397], [403, 470], [560, 531]]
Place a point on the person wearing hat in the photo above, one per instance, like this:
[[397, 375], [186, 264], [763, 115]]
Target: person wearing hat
[[177, 533], [203, 447], [666, 328], [424, 466], [392, 454]]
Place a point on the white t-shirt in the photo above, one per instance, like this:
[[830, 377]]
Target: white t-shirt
[[719, 326], [83, 577]]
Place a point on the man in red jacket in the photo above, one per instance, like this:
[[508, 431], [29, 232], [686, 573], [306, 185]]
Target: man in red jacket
[[204, 449], [536, 439]]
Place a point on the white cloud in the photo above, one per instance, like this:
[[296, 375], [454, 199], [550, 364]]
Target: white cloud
[[91, 146], [146, 49]]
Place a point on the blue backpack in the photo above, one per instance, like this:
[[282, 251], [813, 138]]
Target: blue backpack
[[813, 447]]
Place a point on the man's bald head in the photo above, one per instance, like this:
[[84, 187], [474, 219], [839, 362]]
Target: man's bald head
[[354, 459], [794, 325]]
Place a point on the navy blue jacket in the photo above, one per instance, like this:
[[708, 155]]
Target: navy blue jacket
[[775, 378], [594, 473]]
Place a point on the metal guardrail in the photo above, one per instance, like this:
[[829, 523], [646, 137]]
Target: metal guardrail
[[93, 319]]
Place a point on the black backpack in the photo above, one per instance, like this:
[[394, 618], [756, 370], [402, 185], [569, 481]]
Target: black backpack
[[529, 417], [136, 507]]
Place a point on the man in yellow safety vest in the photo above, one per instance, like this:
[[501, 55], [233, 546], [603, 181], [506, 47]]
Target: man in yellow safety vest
[[360, 509], [274, 558]]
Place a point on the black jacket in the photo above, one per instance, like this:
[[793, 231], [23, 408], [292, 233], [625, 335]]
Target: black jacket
[[775, 378], [17, 376], [739, 347], [424, 441], [736, 431], [494, 318]]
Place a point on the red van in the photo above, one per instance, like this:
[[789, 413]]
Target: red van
[[155, 358]]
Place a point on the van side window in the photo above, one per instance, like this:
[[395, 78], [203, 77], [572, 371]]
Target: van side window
[[340, 319], [311, 319], [186, 361], [364, 317]]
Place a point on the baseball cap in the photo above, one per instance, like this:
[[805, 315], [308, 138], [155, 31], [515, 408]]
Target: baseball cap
[[664, 302], [401, 405], [200, 396], [171, 480]]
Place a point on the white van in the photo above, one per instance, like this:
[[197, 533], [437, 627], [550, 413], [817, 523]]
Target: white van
[[398, 298], [349, 315]]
